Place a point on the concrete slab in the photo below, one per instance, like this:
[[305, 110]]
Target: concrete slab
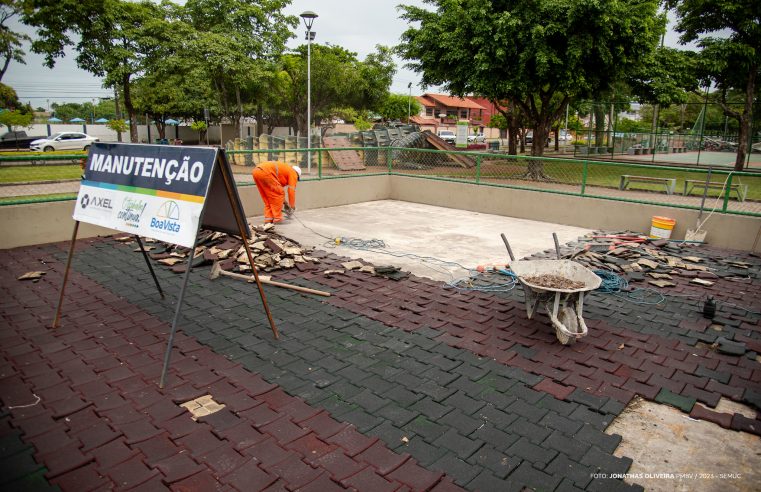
[[673, 452], [422, 238]]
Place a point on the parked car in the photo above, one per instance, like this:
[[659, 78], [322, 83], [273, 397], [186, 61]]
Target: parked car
[[64, 141], [16, 140], [478, 138], [564, 136], [530, 137], [448, 136]]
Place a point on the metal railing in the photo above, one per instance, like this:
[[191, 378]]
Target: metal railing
[[27, 179]]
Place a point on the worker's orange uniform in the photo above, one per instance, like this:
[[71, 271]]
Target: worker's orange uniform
[[271, 178]]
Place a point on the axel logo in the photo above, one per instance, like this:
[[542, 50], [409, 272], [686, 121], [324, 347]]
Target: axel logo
[[166, 217], [97, 202], [131, 211]]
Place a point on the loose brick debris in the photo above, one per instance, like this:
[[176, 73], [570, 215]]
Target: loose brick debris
[[270, 251]]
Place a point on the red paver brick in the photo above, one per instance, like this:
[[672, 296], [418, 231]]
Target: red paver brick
[[324, 425], [702, 413], [131, 473], [250, 476], [113, 453], [295, 472], [381, 458], [200, 442], [710, 399], [352, 441], [323, 483], [138, 431], [181, 426], [260, 415], [157, 448], [267, 452], [367, 479], [415, 476], [726, 390], [221, 420], [123, 415], [339, 465], [163, 410], [92, 388], [311, 447], [284, 430], [82, 479], [241, 436], [52, 440], [223, 459], [744, 424], [446, 485], [202, 481], [178, 468], [185, 392], [108, 401], [299, 410], [96, 436], [237, 402], [276, 398], [559, 391], [64, 460]]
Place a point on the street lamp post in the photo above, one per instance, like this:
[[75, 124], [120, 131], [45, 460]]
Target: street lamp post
[[309, 18]]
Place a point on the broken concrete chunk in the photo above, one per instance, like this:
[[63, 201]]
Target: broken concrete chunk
[[31, 276], [368, 269], [352, 265], [332, 272], [661, 283], [145, 248], [700, 281], [292, 250], [274, 246], [171, 261], [660, 275], [694, 259], [648, 263], [287, 263]]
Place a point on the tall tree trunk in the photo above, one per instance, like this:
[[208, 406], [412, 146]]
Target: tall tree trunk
[[161, 127], [239, 111], [599, 124], [130, 110], [746, 120], [259, 119]]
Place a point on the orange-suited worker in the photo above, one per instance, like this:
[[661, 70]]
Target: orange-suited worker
[[271, 178]]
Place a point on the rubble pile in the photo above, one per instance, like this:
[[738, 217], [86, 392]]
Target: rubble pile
[[641, 259], [270, 251]]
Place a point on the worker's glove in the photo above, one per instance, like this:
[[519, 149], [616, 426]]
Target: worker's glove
[[288, 210]]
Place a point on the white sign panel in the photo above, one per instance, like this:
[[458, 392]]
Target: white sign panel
[[462, 134], [156, 191]]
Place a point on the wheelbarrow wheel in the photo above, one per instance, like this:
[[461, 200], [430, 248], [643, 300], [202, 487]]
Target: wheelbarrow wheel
[[567, 316]]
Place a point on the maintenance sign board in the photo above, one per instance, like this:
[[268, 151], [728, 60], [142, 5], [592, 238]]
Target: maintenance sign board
[[156, 191]]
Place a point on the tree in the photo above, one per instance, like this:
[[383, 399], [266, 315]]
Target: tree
[[729, 35], [16, 118], [118, 126], [8, 97], [113, 38], [537, 55], [339, 81], [10, 41], [398, 106]]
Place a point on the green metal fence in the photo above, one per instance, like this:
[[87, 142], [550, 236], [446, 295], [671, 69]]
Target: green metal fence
[[27, 179]]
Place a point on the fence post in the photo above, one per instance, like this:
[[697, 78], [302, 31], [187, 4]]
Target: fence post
[[584, 172], [478, 169], [726, 192], [319, 163], [389, 157]]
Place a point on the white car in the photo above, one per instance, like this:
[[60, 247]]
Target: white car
[[448, 136], [63, 141], [478, 138]]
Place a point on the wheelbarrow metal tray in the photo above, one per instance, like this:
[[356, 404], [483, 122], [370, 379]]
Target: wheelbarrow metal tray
[[563, 268]]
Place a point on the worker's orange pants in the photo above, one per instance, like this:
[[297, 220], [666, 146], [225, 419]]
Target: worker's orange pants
[[272, 194]]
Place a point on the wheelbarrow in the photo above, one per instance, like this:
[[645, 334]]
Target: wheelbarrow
[[564, 306]]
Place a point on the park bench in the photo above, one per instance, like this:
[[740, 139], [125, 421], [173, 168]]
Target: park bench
[[691, 184], [627, 179]]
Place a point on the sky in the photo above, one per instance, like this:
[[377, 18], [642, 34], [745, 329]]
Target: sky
[[357, 25]]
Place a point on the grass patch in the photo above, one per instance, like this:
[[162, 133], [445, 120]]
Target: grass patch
[[22, 174], [13, 200], [35, 153]]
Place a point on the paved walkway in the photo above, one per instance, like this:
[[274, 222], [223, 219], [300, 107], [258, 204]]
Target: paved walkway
[[383, 386]]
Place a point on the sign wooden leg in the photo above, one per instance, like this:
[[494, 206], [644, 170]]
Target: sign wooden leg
[[150, 267], [242, 227], [57, 317]]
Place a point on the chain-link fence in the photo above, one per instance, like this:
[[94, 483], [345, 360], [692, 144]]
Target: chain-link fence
[[50, 177]]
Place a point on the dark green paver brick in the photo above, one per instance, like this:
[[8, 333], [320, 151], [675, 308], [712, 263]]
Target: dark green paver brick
[[683, 403]]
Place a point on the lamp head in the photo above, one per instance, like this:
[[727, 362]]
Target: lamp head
[[309, 18]]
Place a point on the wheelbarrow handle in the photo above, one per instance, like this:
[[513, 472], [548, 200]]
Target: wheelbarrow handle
[[557, 244], [507, 245]]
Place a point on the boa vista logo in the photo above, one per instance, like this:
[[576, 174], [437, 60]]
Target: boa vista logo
[[166, 217]]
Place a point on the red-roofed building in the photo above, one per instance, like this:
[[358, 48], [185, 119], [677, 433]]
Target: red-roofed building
[[440, 111]]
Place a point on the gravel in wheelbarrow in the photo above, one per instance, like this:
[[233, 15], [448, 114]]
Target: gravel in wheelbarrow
[[554, 282]]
